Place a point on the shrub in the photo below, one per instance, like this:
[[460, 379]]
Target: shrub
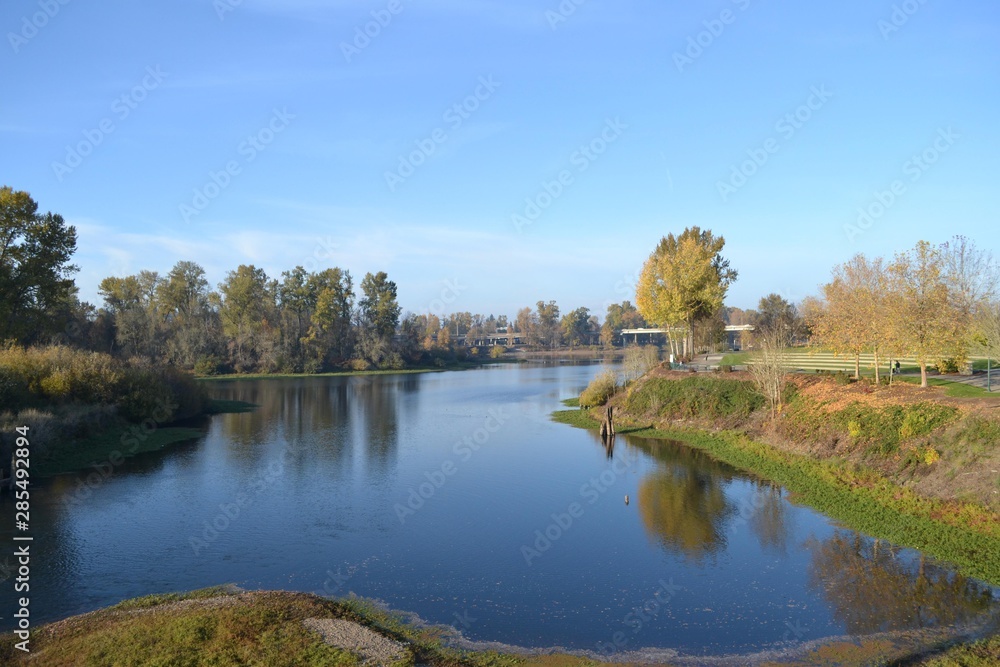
[[843, 378], [392, 362], [878, 430], [497, 351], [600, 390], [726, 368], [56, 376], [697, 396], [947, 366], [640, 360]]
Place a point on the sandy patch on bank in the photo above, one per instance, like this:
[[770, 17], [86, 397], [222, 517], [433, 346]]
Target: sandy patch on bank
[[373, 648]]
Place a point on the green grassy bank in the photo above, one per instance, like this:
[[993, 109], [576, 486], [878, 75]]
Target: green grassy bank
[[223, 626], [723, 417]]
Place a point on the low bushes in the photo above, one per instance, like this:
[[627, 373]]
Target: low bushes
[[600, 390], [66, 395], [877, 430], [56, 376]]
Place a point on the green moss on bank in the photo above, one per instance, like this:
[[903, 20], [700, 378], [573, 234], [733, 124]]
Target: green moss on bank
[[963, 534], [984, 653], [223, 626], [123, 441]]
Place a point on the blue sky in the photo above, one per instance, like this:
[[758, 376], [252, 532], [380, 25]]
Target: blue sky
[[235, 132]]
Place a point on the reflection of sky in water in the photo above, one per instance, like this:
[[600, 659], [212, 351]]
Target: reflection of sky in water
[[321, 473]]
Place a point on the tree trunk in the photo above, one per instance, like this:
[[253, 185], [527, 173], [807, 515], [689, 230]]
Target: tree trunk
[[876, 366], [857, 366], [923, 374], [608, 425]]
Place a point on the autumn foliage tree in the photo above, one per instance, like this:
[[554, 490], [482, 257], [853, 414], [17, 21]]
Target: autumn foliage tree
[[854, 316], [928, 322], [920, 305], [685, 279]]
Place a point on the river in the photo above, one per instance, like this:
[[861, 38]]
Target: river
[[453, 495]]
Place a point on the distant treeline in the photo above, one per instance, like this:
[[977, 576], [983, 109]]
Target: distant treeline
[[302, 321]]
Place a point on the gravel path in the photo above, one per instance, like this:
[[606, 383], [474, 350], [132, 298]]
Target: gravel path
[[373, 648]]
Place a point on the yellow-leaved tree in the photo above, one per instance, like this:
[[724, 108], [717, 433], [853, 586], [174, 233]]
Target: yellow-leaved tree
[[929, 324], [684, 280], [855, 314]]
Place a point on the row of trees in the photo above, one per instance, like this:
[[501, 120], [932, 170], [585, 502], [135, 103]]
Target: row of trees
[[309, 322], [304, 321], [936, 304], [301, 321]]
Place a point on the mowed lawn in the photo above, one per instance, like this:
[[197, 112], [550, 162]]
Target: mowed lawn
[[813, 359]]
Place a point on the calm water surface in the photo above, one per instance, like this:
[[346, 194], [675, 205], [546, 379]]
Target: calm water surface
[[454, 496]]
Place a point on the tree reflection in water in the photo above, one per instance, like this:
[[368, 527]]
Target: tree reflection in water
[[769, 519], [872, 587], [683, 502]]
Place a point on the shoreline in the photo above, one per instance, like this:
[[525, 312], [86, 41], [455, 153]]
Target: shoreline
[[123, 441], [401, 371], [290, 615], [858, 497]]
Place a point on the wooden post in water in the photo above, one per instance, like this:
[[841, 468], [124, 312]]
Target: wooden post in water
[[608, 425]]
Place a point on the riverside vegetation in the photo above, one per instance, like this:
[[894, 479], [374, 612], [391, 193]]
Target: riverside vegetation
[[82, 407], [905, 464], [917, 467], [226, 626]]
